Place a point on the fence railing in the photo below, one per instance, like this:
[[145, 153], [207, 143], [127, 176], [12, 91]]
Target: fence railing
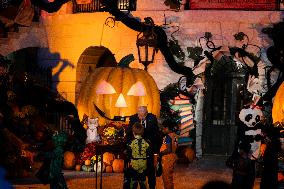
[[96, 6]]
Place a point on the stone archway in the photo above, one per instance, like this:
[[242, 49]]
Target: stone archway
[[92, 57]]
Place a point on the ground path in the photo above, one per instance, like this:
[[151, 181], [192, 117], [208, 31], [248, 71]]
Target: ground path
[[191, 176]]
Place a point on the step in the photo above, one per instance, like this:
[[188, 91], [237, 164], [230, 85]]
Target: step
[[13, 35], [4, 41], [5, 49], [24, 29]]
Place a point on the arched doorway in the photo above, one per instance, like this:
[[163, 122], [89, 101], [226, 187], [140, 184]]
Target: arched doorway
[[92, 57], [225, 96]]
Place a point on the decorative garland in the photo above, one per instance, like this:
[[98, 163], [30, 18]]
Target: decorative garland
[[176, 50], [167, 114], [273, 53], [195, 54]]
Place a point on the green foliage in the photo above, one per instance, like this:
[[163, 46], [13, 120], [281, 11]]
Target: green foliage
[[240, 36], [208, 35], [170, 91], [167, 114], [195, 54], [221, 68], [176, 50]]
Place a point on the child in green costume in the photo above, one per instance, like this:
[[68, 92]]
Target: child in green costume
[[137, 152], [56, 177]]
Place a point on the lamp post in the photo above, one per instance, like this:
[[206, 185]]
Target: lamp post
[[147, 43]]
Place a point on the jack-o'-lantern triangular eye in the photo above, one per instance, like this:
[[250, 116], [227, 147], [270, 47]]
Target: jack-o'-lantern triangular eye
[[105, 88], [137, 89]]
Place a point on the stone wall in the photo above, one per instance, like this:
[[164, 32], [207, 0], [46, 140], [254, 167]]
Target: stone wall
[[64, 37], [70, 35]]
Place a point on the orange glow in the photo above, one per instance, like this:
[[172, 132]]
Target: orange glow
[[83, 1], [137, 89], [120, 103], [105, 88], [278, 107]]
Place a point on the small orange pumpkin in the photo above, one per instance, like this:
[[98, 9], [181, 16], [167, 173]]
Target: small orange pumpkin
[[108, 169], [189, 153], [69, 160], [108, 158], [78, 167], [118, 165], [87, 162]]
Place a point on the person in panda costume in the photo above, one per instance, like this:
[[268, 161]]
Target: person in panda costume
[[251, 130]]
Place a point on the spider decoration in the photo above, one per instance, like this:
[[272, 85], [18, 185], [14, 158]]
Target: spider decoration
[[243, 53]]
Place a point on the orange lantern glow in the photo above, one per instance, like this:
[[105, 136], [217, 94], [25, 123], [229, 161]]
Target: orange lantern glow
[[278, 105]]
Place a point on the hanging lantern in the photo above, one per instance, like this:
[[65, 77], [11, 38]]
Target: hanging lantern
[[278, 106], [147, 43]]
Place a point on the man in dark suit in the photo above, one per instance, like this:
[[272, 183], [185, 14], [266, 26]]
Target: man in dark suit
[[151, 133]]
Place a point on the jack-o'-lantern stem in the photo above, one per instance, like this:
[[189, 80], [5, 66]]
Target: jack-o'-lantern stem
[[125, 61]]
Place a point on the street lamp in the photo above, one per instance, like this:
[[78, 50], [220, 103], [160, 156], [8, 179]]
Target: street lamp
[[147, 43]]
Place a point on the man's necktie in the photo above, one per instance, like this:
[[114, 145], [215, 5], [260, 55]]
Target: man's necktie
[[143, 122]]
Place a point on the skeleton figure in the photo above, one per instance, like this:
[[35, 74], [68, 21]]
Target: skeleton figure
[[92, 131]]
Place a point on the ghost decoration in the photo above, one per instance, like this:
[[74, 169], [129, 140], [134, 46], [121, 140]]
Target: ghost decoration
[[251, 118], [92, 130]]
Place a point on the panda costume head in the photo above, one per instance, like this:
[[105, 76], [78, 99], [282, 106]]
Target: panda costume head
[[252, 116]]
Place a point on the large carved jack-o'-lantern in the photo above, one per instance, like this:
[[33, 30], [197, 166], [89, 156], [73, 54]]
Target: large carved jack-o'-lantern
[[278, 105], [118, 91]]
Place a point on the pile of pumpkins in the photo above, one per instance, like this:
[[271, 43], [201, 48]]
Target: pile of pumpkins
[[110, 163]]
